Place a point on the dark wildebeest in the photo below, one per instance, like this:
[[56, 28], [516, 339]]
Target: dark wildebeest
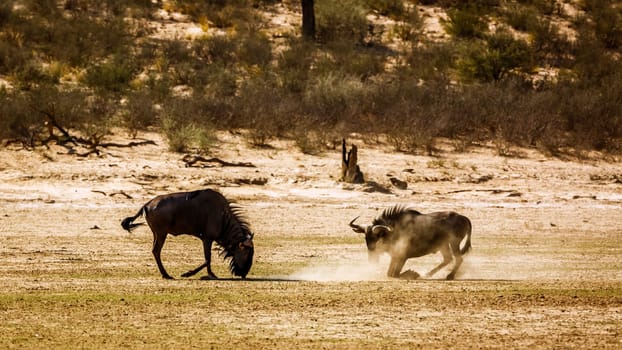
[[405, 233], [205, 214]]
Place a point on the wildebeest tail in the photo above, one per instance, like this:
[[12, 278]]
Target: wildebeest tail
[[467, 243], [128, 222]]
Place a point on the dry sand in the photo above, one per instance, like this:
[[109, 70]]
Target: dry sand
[[544, 272]]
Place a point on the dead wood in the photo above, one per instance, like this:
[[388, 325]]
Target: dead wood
[[350, 171], [112, 194], [121, 193], [202, 162], [495, 191]]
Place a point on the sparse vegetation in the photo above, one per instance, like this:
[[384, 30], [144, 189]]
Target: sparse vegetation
[[524, 80]]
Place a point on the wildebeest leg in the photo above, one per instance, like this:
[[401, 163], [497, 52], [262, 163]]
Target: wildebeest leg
[[455, 249], [193, 272], [395, 267], [158, 242], [446, 260], [207, 250]]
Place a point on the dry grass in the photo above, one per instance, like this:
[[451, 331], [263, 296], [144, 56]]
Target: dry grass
[[544, 271]]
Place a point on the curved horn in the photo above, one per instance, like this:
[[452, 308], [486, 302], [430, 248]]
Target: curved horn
[[378, 228], [357, 228]]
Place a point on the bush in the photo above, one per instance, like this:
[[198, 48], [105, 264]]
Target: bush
[[391, 8], [341, 20], [608, 27], [332, 97], [256, 104], [139, 112], [545, 7], [465, 22], [495, 58], [409, 26], [114, 75], [346, 58], [521, 17], [548, 44], [432, 61], [17, 120], [255, 49], [294, 64], [6, 11], [175, 51], [218, 49], [185, 131]]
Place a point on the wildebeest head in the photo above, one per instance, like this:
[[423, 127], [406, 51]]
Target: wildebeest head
[[242, 257], [373, 234], [237, 242]]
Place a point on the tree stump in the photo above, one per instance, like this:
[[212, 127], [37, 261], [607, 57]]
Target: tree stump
[[350, 171]]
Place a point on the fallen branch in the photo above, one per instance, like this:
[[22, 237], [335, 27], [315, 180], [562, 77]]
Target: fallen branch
[[121, 193], [131, 144], [191, 160], [113, 193], [495, 191]]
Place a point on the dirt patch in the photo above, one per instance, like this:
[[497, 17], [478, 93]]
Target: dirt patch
[[544, 271]]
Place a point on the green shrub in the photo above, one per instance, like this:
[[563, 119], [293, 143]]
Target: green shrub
[[465, 22], [183, 134], [114, 75], [340, 20], [431, 61], [495, 58], [257, 103], [331, 98], [219, 49], [545, 7], [521, 17], [409, 26], [6, 12], [309, 140], [592, 63], [391, 8], [549, 45], [608, 27], [17, 120], [255, 49], [344, 57], [139, 111], [175, 51], [294, 64]]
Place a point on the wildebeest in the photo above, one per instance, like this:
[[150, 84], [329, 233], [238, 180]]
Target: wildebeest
[[405, 233], [205, 214]]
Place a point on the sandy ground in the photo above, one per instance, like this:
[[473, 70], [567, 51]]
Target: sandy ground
[[544, 272]]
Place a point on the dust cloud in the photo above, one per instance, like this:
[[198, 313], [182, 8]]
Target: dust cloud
[[344, 272], [474, 267]]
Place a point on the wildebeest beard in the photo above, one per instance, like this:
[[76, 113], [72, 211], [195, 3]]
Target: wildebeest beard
[[237, 244], [240, 262]]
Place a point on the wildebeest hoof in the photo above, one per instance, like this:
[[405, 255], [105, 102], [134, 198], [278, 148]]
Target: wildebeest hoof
[[410, 275], [450, 277], [167, 277], [209, 277]]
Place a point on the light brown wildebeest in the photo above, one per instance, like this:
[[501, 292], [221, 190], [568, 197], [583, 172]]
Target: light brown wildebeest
[[205, 214], [405, 233]]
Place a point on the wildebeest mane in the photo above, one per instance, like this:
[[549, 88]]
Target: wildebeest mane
[[235, 229], [390, 215]]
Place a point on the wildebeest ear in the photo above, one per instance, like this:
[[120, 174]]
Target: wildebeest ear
[[381, 230]]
